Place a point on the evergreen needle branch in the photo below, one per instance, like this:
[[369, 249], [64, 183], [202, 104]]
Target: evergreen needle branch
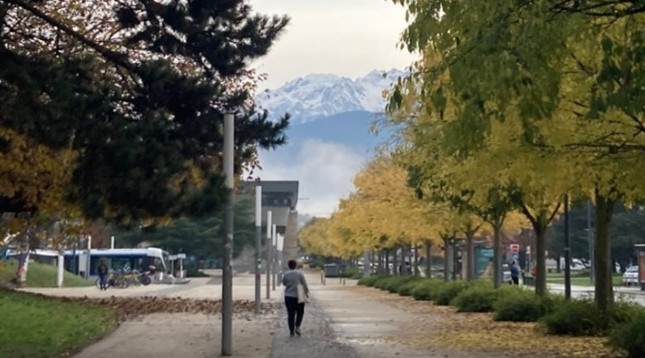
[[108, 54]]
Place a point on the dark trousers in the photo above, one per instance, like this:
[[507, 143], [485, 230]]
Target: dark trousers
[[103, 280], [516, 280], [295, 312]]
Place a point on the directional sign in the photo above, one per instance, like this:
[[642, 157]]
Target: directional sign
[[515, 248]]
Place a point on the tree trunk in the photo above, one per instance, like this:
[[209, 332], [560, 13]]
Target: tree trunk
[[540, 256], [416, 260], [404, 255], [558, 269], [387, 262], [602, 259], [446, 263], [470, 255], [23, 260], [395, 263], [497, 253], [428, 257]]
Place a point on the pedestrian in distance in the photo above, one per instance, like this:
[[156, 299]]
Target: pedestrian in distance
[[515, 273], [295, 310], [103, 274]]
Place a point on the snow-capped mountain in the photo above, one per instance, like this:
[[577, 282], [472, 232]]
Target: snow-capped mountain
[[322, 95]]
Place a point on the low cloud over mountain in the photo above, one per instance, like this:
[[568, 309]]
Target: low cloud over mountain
[[329, 138]]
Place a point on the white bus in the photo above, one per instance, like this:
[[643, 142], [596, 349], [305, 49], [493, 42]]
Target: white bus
[[117, 260]]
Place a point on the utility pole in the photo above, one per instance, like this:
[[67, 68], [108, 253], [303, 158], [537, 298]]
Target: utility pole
[[269, 247], [258, 245], [227, 270]]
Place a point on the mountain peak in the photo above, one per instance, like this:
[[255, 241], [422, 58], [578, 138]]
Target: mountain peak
[[321, 95]]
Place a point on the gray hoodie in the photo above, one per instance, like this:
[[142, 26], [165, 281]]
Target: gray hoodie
[[290, 280]]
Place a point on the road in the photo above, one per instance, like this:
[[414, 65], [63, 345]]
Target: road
[[630, 294]]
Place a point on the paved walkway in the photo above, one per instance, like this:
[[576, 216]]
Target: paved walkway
[[341, 322]]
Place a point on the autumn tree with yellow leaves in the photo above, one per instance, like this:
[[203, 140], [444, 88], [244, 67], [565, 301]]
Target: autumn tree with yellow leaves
[[550, 97]]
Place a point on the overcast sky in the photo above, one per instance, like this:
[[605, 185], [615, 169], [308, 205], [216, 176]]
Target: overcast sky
[[343, 37]]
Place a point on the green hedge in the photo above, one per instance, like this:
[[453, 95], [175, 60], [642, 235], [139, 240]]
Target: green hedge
[[369, 281], [576, 318], [384, 282], [519, 305], [427, 289], [353, 273], [476, 298], [449, 291], [406, 288], [395, 283], [629, 336]]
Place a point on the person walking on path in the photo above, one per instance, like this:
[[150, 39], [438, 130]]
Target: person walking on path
[[103, 274], [515, 273], [295, 310]]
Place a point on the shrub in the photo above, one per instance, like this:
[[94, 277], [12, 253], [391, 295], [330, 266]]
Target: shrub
[[576, 318], [393, 285], [629, 336], [369, 281], [551, 302], [477, 298], [519, 305], [623, 312], [192, 271], [384, 282], [426, 289], [406, 288], [449, 291], [352, 272]]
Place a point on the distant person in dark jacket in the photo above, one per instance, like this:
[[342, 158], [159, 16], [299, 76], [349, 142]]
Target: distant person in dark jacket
[[515, 273], [103, 274], [295, 310]]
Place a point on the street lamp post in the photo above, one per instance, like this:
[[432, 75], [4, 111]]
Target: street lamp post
[[258, 244], [269, 248], [227, 270], [274, 245]]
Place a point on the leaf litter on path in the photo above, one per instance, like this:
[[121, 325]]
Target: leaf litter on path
[[443, 328]]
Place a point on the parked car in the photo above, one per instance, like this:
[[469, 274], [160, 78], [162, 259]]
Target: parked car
[[630, 277], [578, 265]]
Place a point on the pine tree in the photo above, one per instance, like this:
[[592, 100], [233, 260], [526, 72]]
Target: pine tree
[[143, 107]]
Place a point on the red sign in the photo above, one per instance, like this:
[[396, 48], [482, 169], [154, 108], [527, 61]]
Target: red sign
[[515, 248]]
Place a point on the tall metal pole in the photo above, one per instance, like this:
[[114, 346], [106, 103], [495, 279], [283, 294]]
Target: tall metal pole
[[269, 258], [592, 259], [274, 241], [89, 257], [227, 271], [567, 251], [258, 245]]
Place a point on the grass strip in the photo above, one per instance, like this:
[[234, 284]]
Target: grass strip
[[36, 326], [40, 275]]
